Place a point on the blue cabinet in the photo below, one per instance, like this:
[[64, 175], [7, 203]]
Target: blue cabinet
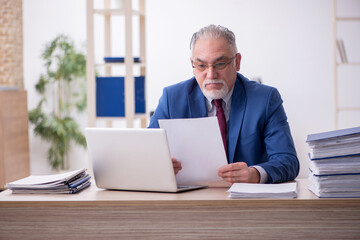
[[110, 98]]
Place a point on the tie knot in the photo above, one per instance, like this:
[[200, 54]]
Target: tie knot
[[218, 103]]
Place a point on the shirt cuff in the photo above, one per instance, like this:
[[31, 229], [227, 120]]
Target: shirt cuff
[[263, 174]]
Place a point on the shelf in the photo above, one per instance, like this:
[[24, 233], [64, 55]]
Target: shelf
[[339, 50], [348, 109], [142, 64], [351, 64], [120, 61], [103, 97], [137, 116], [117, 12], [348, 19]]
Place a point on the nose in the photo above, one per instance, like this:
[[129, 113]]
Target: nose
[[211, 73]]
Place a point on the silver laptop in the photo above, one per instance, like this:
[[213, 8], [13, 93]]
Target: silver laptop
[[132, 159]]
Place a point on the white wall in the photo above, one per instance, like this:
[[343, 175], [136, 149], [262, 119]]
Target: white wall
[[43, 20], [288, 43]]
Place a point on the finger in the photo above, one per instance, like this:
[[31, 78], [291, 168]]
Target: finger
[[177, 169], [237, 179], [232, 167], [235, 173], [176, 165]]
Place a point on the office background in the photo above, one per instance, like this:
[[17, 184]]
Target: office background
[[289, 44]]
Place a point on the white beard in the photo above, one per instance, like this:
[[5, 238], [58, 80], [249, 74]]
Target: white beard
[[215, 94]]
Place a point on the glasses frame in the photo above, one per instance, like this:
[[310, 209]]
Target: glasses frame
[[215, 66]]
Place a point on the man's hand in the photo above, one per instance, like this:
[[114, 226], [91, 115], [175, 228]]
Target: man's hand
[[239, 172], [176, 165]]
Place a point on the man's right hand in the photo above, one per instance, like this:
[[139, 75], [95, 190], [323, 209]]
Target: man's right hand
[[176, 165]]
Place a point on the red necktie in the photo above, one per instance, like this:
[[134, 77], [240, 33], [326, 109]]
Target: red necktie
[[222, 121]]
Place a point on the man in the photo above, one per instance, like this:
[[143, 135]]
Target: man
[[256, 133]]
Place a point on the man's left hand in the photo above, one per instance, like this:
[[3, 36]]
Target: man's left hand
[[239, 172]]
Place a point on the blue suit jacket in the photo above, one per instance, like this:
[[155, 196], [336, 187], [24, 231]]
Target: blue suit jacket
[[258, 131]]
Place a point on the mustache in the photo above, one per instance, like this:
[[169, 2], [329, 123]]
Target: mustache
[[212, 81]]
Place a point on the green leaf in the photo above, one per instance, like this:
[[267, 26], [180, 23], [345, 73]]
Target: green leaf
[[63, 82]]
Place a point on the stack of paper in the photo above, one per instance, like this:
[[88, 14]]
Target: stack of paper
[[335, 163], [70, 182], [250, 190]]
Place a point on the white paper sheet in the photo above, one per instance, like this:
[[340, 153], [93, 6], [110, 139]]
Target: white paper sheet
[[251, 190], [45, 179], [198, 145]]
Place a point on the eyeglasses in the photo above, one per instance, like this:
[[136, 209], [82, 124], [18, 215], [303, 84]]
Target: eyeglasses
[[216, 66]]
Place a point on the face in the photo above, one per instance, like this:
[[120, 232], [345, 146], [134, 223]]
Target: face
[[219, 77]]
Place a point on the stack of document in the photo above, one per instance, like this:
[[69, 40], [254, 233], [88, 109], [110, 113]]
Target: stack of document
[[335, 163], [70, 182], [251, 190]]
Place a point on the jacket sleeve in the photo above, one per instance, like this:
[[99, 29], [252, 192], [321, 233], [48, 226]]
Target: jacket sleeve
[[161, 111], [282, 164]]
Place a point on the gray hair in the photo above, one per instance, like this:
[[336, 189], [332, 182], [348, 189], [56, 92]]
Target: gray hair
[[215, 32]]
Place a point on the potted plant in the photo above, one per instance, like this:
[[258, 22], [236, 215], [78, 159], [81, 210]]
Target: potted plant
[[63, 92]]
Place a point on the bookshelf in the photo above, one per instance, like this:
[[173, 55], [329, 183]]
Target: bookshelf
[[340, 50], [123, 105]]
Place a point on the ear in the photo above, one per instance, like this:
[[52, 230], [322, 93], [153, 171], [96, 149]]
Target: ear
[[191, 61], [238, 60]]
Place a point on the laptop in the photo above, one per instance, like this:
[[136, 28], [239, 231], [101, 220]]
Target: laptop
[[132, 159]]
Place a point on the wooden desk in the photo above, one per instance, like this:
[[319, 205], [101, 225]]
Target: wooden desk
[[200, 214]]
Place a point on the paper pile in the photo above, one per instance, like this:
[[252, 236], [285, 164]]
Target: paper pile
[[251, 190], [71, 182], [335, 163]]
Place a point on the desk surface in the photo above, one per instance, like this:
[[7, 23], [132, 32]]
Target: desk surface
[[200, 214], [94, 195]]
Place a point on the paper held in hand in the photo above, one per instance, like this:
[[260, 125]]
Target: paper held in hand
[[198, 145], [252, 190]]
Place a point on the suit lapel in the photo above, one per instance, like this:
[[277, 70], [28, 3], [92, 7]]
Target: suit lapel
[[197, 104], [237, 111]]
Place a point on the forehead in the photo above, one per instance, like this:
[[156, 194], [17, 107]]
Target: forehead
[[210, 49]]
